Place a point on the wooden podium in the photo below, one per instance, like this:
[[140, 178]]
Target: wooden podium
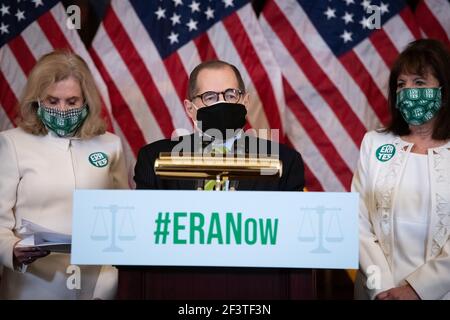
[[216, 283]]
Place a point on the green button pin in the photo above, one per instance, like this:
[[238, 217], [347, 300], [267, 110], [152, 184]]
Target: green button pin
[[98, 159], [385, 152]]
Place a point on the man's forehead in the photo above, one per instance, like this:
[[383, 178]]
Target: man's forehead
[[213, 77]]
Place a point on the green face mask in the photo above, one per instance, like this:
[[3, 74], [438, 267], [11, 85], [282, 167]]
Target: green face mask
[[419, 105], [62, 122]]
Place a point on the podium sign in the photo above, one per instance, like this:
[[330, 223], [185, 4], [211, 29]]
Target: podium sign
[[223, 229]]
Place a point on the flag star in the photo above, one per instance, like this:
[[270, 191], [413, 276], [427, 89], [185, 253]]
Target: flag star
[[173, 37], [347, 36], [384, 7], [175, 19], [4, 9], [177, 2], [365, 23], [4, 28], [330, 13], [195, 6], [365, 4], [209, 13], [20, 15], [349, 2], [192, 24], [37, 3], [160, 13], [348, 17], [228, 3]]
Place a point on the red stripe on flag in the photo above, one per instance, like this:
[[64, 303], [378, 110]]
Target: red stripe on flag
[[359, 73], [311, 182], [205, 48], [120, 109], [254, 67], [23, 54], [314, 72], [411, 22], [315, 131], [429, 24], [138, 70], [177, 73], [53, 32], [384, 46], [8, 99]]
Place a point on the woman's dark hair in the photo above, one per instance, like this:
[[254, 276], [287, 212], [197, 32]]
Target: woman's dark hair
[[421, 57]]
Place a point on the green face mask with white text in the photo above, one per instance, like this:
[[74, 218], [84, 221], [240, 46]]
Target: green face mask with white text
[[419, 105], [62, 122]]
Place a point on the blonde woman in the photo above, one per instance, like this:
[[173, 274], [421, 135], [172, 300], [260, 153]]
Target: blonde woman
[[41, 163]]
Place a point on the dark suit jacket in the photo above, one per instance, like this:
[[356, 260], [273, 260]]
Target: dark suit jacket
[[292, 178]]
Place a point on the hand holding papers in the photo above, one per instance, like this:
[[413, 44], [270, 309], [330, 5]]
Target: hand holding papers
[[34, 235]]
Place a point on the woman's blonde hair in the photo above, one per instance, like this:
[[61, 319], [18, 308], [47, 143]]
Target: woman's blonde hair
[[49, 69]]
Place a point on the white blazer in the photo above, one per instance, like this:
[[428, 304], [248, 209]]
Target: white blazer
[[378, 183], [38, 176]]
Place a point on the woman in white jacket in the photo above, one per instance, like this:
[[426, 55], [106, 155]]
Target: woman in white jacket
[[403, 178], [55, 149]]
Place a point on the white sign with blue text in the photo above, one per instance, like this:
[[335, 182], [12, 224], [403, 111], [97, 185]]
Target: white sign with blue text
[[205, 228]]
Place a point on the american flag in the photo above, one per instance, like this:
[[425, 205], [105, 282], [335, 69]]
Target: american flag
[[28, 30], [433, 17], [313, 68], [335, 74], [145, 51]]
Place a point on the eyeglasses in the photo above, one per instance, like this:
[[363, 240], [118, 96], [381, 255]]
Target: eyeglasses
[[229, 95]]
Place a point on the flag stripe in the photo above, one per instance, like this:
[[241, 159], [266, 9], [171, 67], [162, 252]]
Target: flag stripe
[[153, 63], [36, 40], [5, 122], [311, 156], [398, 32], [384, 46], [120, 110], [324, 145], [358, 71], [124, 83], [20, 49], [256, 71], [52, 32], [374, 64], [177, 73], [205, 48], [137, 69], [268, 62], [430, 24], [8, 99], [311, 182], [12, 72], [190, 57], [409, 20]]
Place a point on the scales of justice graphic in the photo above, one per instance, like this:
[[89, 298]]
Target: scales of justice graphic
[[100, 228], [307, 232]]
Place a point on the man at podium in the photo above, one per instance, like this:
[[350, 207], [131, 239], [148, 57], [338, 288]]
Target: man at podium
[[217, 104]]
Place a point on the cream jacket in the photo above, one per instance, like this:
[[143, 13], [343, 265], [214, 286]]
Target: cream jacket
[[378, 183], [38, 176]]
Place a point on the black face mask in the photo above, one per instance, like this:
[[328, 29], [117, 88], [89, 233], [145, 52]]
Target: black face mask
[[222, 116]]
